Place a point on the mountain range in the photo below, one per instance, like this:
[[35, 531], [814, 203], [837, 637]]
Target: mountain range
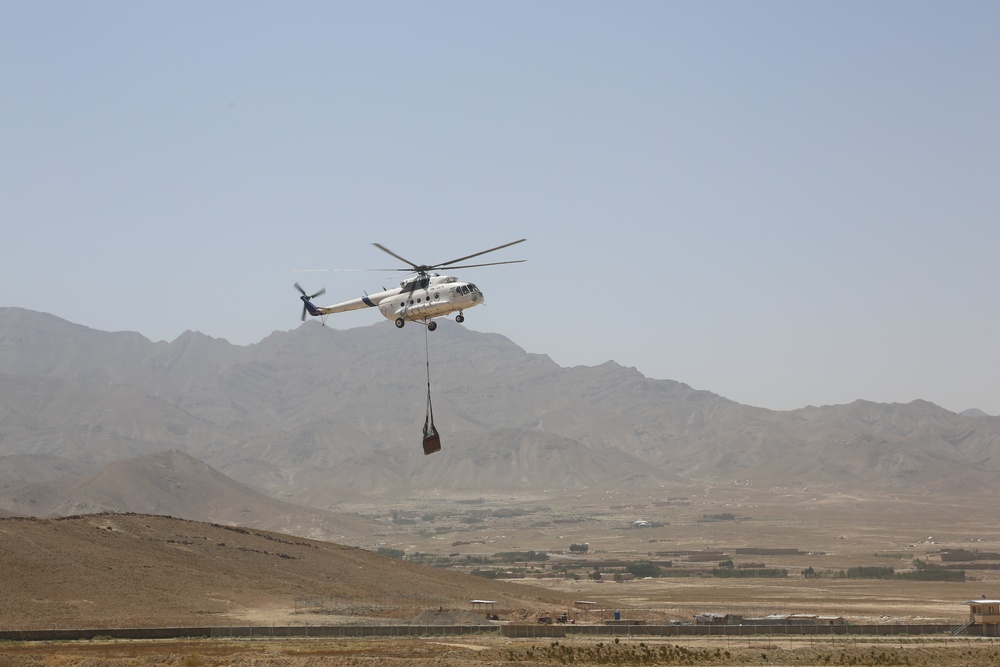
[[312, 417]]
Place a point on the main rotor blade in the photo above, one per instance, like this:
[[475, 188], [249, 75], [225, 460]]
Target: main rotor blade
[[416, 267], [472, 266], [328, 270], [462, 259]]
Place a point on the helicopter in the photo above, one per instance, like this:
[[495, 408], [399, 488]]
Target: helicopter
[[419, 298]]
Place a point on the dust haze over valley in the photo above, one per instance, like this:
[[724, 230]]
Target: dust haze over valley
[[315, 433]]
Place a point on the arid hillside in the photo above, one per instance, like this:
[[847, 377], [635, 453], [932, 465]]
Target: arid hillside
[[108, 570], [172, 483]]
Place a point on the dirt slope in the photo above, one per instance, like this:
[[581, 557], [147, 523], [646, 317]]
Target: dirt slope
[[116, 570]]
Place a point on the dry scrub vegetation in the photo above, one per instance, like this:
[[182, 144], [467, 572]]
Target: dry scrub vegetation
[[488, 651]]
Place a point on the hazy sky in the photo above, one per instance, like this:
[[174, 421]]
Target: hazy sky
[[786, 203]]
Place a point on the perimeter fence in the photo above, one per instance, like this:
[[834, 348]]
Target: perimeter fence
[[504, 629]]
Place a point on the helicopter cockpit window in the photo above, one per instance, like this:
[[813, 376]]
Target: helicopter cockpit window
[[473, 288], [465, 289]]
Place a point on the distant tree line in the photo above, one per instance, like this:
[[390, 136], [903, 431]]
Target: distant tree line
[[923, 572], [749, 573], [390, 552]]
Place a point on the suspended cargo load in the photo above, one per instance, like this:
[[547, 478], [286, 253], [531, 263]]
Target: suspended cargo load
[[432, 440]]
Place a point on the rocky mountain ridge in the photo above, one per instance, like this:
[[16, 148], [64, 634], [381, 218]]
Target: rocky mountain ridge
[[311, 414]]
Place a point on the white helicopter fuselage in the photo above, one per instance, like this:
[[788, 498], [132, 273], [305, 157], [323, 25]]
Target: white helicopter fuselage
[[420, 298]]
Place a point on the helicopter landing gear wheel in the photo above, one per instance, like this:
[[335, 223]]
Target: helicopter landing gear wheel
[[400, 322], [460, 318], [432, 325]]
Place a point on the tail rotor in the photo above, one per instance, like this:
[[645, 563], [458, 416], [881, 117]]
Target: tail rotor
[[306, 298]]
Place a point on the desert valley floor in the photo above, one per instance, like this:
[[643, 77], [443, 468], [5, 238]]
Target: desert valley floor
[[112, 570]]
